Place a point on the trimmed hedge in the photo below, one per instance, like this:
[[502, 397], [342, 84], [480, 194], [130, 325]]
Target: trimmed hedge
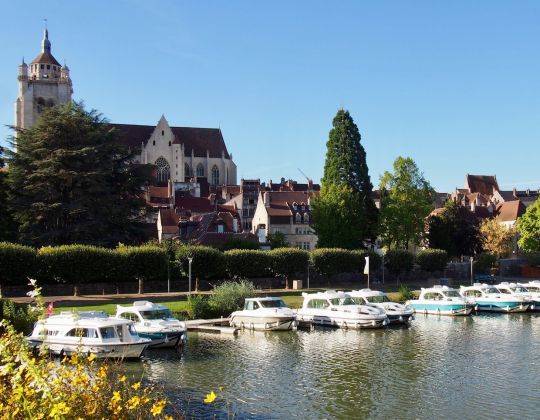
[[289, 262], [17, 263], [247, 263], [207, 262], [399, 261], [146, 262], [432, 259], [331, 261], [75, 264]]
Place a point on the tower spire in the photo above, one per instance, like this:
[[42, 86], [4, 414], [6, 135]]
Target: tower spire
[[45, 43]]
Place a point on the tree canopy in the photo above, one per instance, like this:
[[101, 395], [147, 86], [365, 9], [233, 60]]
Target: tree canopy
[[406, 200], [497, 239], [455, 230], [72, 181], [529, 228], [345, 214], [7, 224]]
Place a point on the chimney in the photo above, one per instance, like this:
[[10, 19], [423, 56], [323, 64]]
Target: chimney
[[514, 192], [266, 199]]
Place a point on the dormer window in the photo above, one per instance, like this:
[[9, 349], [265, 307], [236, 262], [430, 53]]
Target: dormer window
[[163, 133], [298, 218], [169, 144]]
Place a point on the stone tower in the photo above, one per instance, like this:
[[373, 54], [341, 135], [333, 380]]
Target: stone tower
[[42, 84]]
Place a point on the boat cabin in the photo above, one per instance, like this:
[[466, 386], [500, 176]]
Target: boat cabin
[[439, 293], [252, 304]]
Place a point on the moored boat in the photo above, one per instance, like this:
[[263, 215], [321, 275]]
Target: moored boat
[[489, 298], [264, 314], [155, 322], [397, 313], [88, 333], [440, 300], [338, 309], [519, 290]]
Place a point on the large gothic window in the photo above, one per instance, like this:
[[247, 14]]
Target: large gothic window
[[187, 170], [215, 175], [163, 170], [200, 170]]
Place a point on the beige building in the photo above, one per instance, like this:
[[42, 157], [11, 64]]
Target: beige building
[[288, 212]]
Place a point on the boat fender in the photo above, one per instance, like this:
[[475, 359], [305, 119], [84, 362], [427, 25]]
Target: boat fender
[[251, 326]]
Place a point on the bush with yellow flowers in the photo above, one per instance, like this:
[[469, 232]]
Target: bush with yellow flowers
[[36, 387]]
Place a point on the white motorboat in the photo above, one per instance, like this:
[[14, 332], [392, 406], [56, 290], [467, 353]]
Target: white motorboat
[[489, 298], [519, 290], [156, 322], [338, 309], [440, 300], [396, 312], [264, 314], [88, 333]]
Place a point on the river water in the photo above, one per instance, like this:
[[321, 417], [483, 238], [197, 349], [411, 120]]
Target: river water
[[481, 366]]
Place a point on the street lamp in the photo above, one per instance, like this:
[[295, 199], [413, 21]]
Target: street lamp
[[472, 273], [190, 259]]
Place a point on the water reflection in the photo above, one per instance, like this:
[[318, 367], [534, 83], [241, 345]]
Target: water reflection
[[481, 366]]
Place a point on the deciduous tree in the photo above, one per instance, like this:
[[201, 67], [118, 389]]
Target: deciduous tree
[[497, 239], [529, 228], [406, 200]]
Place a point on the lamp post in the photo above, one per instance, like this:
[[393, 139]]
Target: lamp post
[[190, 259], [383, 268], [472, 273], [168, 276]]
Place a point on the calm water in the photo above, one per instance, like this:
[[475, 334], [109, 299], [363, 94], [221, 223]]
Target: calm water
[[483, 366]]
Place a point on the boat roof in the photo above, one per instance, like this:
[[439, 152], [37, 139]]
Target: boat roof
[[366, 292], [506, 284], [329, 294], [476, 286], [141, 305], [437, 288], [84, 319], [264, 298]]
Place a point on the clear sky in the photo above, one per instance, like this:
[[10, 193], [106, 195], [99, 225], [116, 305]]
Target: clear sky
[[453, 84]]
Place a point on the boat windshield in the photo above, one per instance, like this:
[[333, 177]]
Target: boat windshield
[[378, 299], [535, 289], [343, 301], [157, 314], [451, 293], [274, 303], [520, 289], [107, 332], [492, 290]]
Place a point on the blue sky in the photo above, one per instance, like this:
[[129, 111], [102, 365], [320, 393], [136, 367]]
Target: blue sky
[[453, 84]]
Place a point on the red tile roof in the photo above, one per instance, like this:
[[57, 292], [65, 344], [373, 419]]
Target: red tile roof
[[485, 184], [169, 221], [195, 204], [158, 192], [509, 211], [45, 58]]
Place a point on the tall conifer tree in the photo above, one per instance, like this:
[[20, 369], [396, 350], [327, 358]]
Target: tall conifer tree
[[72, 182], [345, 214]]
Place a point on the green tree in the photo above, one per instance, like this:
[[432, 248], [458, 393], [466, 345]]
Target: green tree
[[346, 184], [455, 230], [406, 200], [277, 240], [7, 224], [72, 181], [529, 228]]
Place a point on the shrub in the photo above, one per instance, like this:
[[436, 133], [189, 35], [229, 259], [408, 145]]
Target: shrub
[[432, 259], [398, 261], [75, 264], [484, 262], [238, 243], [199, 307], [17, 262], [21, 318], [230, 296], [247, 263], [143, 263], [289, 262], [405, 293], [207, 262], [331, 261]]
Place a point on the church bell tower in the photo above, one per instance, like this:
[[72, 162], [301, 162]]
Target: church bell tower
[[43, 83]]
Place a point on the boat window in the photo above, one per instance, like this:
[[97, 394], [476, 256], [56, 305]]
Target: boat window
[[107, 332], [505, 291], [533, 289], [278, 303], [492, 290], [157, 314], [318, 303], [80, 332], [451, 293], [120, 332], [248, 306], [132, 330], [130, 316], [377, 299], [520, 289], [343, 301], [359, 300]]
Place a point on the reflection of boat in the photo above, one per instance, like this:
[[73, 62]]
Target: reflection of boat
[[440, 300], [155, 322], [519, 290], [396, 312], [88, 332], [489, 298], [338, 309], [264, 313]]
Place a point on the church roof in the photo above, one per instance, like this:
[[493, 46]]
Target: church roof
[[485, 184], [199, 140], [45, 58]]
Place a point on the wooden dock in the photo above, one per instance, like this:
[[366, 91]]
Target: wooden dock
[[219, 325]]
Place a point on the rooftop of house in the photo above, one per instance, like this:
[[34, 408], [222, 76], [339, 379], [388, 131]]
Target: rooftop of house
[[509, 211], [485, 184]]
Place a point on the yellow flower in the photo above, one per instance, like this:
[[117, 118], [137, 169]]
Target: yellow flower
[[59, 409], [91, 357], [136, 385], [133, 403], [210, 397], [157, 408], [102, 373], [116, 398], [122, 378]]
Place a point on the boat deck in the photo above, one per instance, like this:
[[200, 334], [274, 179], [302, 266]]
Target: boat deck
[[219, 325]]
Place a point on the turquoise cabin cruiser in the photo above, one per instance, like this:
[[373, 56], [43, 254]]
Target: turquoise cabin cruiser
[[155, 322], [489, 298], [516, 289], [440, 300]]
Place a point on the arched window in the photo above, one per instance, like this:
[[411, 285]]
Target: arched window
[[306, 218], [187, 170], [163, 170], [215, 175], [200, 170], [298, 218]]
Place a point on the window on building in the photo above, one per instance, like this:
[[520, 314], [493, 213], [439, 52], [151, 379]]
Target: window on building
[[48, 66], [220, 228], [298, 218], [169, 144], [154, 143], [306, 218], [162, 132], [187, 170], [200, 170], [163, 169], [41, 66], [215, 175]]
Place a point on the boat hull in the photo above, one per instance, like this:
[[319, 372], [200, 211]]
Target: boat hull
[[162, 340], [264, 323], [344, 322], [438, 309], [505, 307], [404, 318], [102, 351]]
